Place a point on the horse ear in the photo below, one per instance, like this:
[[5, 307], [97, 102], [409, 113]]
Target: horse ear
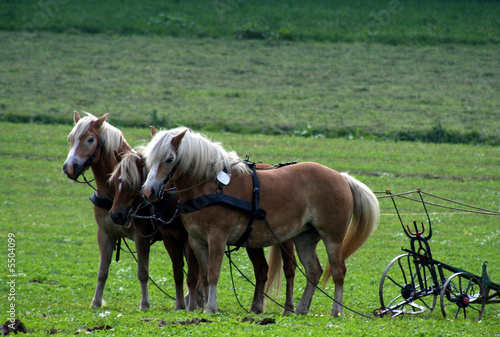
[[100, 121], [154, 130], [118, 156], [177, 140], [76, 117]]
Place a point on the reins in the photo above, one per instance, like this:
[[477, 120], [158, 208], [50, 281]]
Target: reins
[[231, 263], [152, 281], [308, 280]]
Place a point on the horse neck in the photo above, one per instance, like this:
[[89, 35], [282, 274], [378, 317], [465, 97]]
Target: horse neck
[[103, 169], [190, 188]]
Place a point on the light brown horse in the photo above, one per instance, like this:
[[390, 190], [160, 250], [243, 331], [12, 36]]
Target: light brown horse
[[128, 177], [92, 142], [128, 206], [304, 202]]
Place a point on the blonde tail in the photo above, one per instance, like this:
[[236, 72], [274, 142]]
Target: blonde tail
[[364, 220], [275, 272]]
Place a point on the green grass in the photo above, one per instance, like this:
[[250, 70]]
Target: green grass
[[264, 79], [385, 21], [444, 93], [57, 255]]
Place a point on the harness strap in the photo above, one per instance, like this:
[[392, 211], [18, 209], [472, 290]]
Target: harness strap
[[252, 208], [101, 202], [167, 204], [100, 146], [118, 247]]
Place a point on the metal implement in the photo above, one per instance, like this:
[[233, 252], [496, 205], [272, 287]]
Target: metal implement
[[412, 282]]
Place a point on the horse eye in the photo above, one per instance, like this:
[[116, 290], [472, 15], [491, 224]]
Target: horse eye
[[91, 140], [169, 160]]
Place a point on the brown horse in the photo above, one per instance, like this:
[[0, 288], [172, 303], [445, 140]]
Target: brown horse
[[304, 202], [128, 177], [92, 142], [128, 205]]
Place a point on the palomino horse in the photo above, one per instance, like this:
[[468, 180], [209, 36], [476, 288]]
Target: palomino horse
[[304, 202], [128, 177], [92, 142], [128, 205]]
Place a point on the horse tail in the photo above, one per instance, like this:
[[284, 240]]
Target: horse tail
[[274, 274], [364, 220]]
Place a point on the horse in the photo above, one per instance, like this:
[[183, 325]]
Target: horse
[[305, 202], [128, 177], [128, 206], [92, 142]]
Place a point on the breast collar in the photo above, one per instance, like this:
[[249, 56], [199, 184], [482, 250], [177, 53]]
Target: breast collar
[[252, 208]]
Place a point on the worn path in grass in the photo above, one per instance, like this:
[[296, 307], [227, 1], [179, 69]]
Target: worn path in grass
[[252, 86]]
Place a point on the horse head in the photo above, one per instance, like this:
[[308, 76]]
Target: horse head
[[86, 144], [161, 154], [127, 179]]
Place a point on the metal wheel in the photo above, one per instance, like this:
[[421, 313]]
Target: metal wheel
[[463, 296], [406, 287]]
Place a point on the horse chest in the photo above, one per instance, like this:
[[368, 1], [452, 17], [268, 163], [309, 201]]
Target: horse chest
[[105, 223]]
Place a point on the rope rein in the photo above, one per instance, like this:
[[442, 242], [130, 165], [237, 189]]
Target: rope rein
[[475, 209]]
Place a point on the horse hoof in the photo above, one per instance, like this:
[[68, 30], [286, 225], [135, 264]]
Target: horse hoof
[[145, 306], [97, 304], [210, 310]]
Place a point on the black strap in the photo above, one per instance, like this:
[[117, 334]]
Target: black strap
[[227, 200], [101, 202], [203, 201], [118, 248], [100, 146]]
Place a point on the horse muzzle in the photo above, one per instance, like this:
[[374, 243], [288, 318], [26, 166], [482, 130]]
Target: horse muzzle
[[152, 193], [73, 170], [120, 217]]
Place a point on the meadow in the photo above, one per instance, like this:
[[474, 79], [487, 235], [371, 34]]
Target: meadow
[[394, 22], [401, 94], [446, 93], [57, 255]]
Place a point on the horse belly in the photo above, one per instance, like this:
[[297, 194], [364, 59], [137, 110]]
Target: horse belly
[[264, 235]]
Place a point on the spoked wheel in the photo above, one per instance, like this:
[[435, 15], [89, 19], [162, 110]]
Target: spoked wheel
[[406, 287], [463, 296]]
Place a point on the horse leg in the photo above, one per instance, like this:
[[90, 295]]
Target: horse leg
[[216, 246], [194, 302], [289, 266], [175, 250], [142, 246], [260, 268], [306, 244], [106, 244], [201, 252], [339, 269]]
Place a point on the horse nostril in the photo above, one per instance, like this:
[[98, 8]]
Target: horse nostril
[[117, 218], [75, 165]]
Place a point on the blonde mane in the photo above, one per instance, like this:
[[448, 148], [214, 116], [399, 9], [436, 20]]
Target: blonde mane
[[111, 136], [127, 171], [197, 155]]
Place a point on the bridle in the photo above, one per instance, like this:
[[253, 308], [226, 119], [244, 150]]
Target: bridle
[[99, 148]]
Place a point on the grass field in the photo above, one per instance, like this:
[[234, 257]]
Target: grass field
[[341, 83], [57, 255], [386, 21], [431, 93]]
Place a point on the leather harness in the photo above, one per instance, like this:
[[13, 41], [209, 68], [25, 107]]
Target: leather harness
[[222, 199]]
